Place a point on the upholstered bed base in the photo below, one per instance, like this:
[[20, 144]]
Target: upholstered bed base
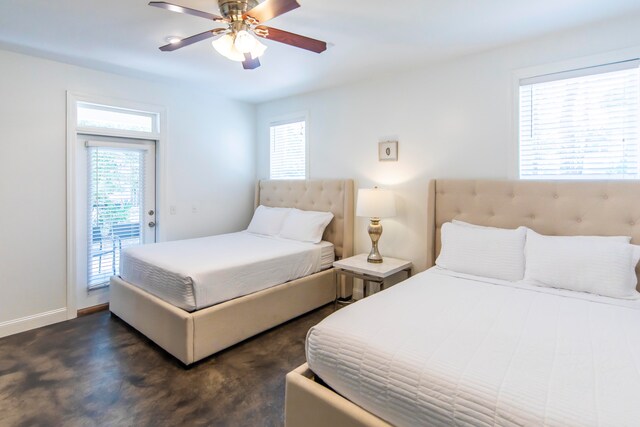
[[193, 336], [606, 208], [311, 404]]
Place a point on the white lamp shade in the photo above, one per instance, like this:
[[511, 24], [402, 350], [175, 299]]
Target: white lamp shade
[[376, 203], [258, 49], [246, 43], [226, 47]]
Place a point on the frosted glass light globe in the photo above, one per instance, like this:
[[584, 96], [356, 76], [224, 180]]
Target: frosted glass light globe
[[225, 47], [244, 41]]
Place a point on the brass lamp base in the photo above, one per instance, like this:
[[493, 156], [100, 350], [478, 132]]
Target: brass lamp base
[[375, 231]]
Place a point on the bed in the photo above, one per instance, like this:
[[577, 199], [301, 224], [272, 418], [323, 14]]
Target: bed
[[475, 351], [195, 274], [197, 326]]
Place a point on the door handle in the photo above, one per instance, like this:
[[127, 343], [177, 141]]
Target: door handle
[[152, 224]]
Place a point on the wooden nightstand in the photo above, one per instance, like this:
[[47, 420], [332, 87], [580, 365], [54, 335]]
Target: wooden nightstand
[[358, 267]]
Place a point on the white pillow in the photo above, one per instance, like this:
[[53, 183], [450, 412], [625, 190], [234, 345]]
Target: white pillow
[[268, 221], [595, 264], [483, 251], [305, 226]]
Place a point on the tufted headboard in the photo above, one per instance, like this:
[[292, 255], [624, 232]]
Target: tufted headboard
[[563, 208], [331, 195]]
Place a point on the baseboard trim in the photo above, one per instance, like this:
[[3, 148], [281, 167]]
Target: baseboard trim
[[95, 309], [34, 321]]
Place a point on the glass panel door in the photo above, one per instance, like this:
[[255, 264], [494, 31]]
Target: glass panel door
[[120, 204]]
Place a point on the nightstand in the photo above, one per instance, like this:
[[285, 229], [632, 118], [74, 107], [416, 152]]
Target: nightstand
[[358, 267]]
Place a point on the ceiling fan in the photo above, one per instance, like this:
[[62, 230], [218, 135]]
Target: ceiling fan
[[243, 19]]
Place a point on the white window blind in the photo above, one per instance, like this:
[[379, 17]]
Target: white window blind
[[582, 124], [115, 208], [288, 159]]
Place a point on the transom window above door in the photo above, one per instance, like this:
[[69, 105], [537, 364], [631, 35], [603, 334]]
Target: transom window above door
[[107, 117]]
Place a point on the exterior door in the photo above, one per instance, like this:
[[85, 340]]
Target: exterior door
[[119, 210]]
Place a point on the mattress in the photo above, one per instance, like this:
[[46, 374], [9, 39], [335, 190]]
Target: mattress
[[197, 273], [439, 349]]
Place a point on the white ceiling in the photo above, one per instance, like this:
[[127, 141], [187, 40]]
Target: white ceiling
[[365, 37]]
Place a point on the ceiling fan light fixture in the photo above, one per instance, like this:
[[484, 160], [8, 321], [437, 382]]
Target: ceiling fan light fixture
[[243, 21], [225, 46]]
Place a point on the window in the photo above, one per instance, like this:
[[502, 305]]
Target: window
[[581, 124], [101, 116], [288, 150]]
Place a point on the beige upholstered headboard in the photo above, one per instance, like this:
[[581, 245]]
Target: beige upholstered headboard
[[563, 208], [331, 195]]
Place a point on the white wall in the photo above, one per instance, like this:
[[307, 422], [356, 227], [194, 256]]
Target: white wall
[[453, 120], [210, 163]]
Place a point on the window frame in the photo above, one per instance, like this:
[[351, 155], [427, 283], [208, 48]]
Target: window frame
[[552, 68], [301, 116]]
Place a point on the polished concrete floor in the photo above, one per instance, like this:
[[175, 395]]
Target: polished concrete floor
[[97, 371]]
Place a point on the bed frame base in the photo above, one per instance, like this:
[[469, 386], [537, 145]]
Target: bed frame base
[[191, 337], [309, 404]]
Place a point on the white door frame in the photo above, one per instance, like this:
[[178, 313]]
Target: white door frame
[[72, 171]]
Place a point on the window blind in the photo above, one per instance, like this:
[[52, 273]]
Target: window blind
[[288, 159], [582, 124], [115, 208]]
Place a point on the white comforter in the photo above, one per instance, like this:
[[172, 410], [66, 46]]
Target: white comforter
[[197, 273], [444, 350]]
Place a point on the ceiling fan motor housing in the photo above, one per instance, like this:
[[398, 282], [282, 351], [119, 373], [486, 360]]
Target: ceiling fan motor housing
[[235, 9]]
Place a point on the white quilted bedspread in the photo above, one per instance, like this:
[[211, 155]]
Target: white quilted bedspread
[[196, 273], [444, 350]]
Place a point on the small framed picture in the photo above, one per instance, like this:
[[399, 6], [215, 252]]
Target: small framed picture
[[388, 151]]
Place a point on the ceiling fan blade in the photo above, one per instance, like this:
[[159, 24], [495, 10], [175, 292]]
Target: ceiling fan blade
[[185, 10], [193, 39], [269, 9], [250, 63], [292, 39]]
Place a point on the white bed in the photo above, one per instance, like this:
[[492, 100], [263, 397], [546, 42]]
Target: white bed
[[197, 273], [448, 350], [191, 336], [443, 350]]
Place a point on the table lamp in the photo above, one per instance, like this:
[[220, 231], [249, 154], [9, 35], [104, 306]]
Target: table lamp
[[375, 203]]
